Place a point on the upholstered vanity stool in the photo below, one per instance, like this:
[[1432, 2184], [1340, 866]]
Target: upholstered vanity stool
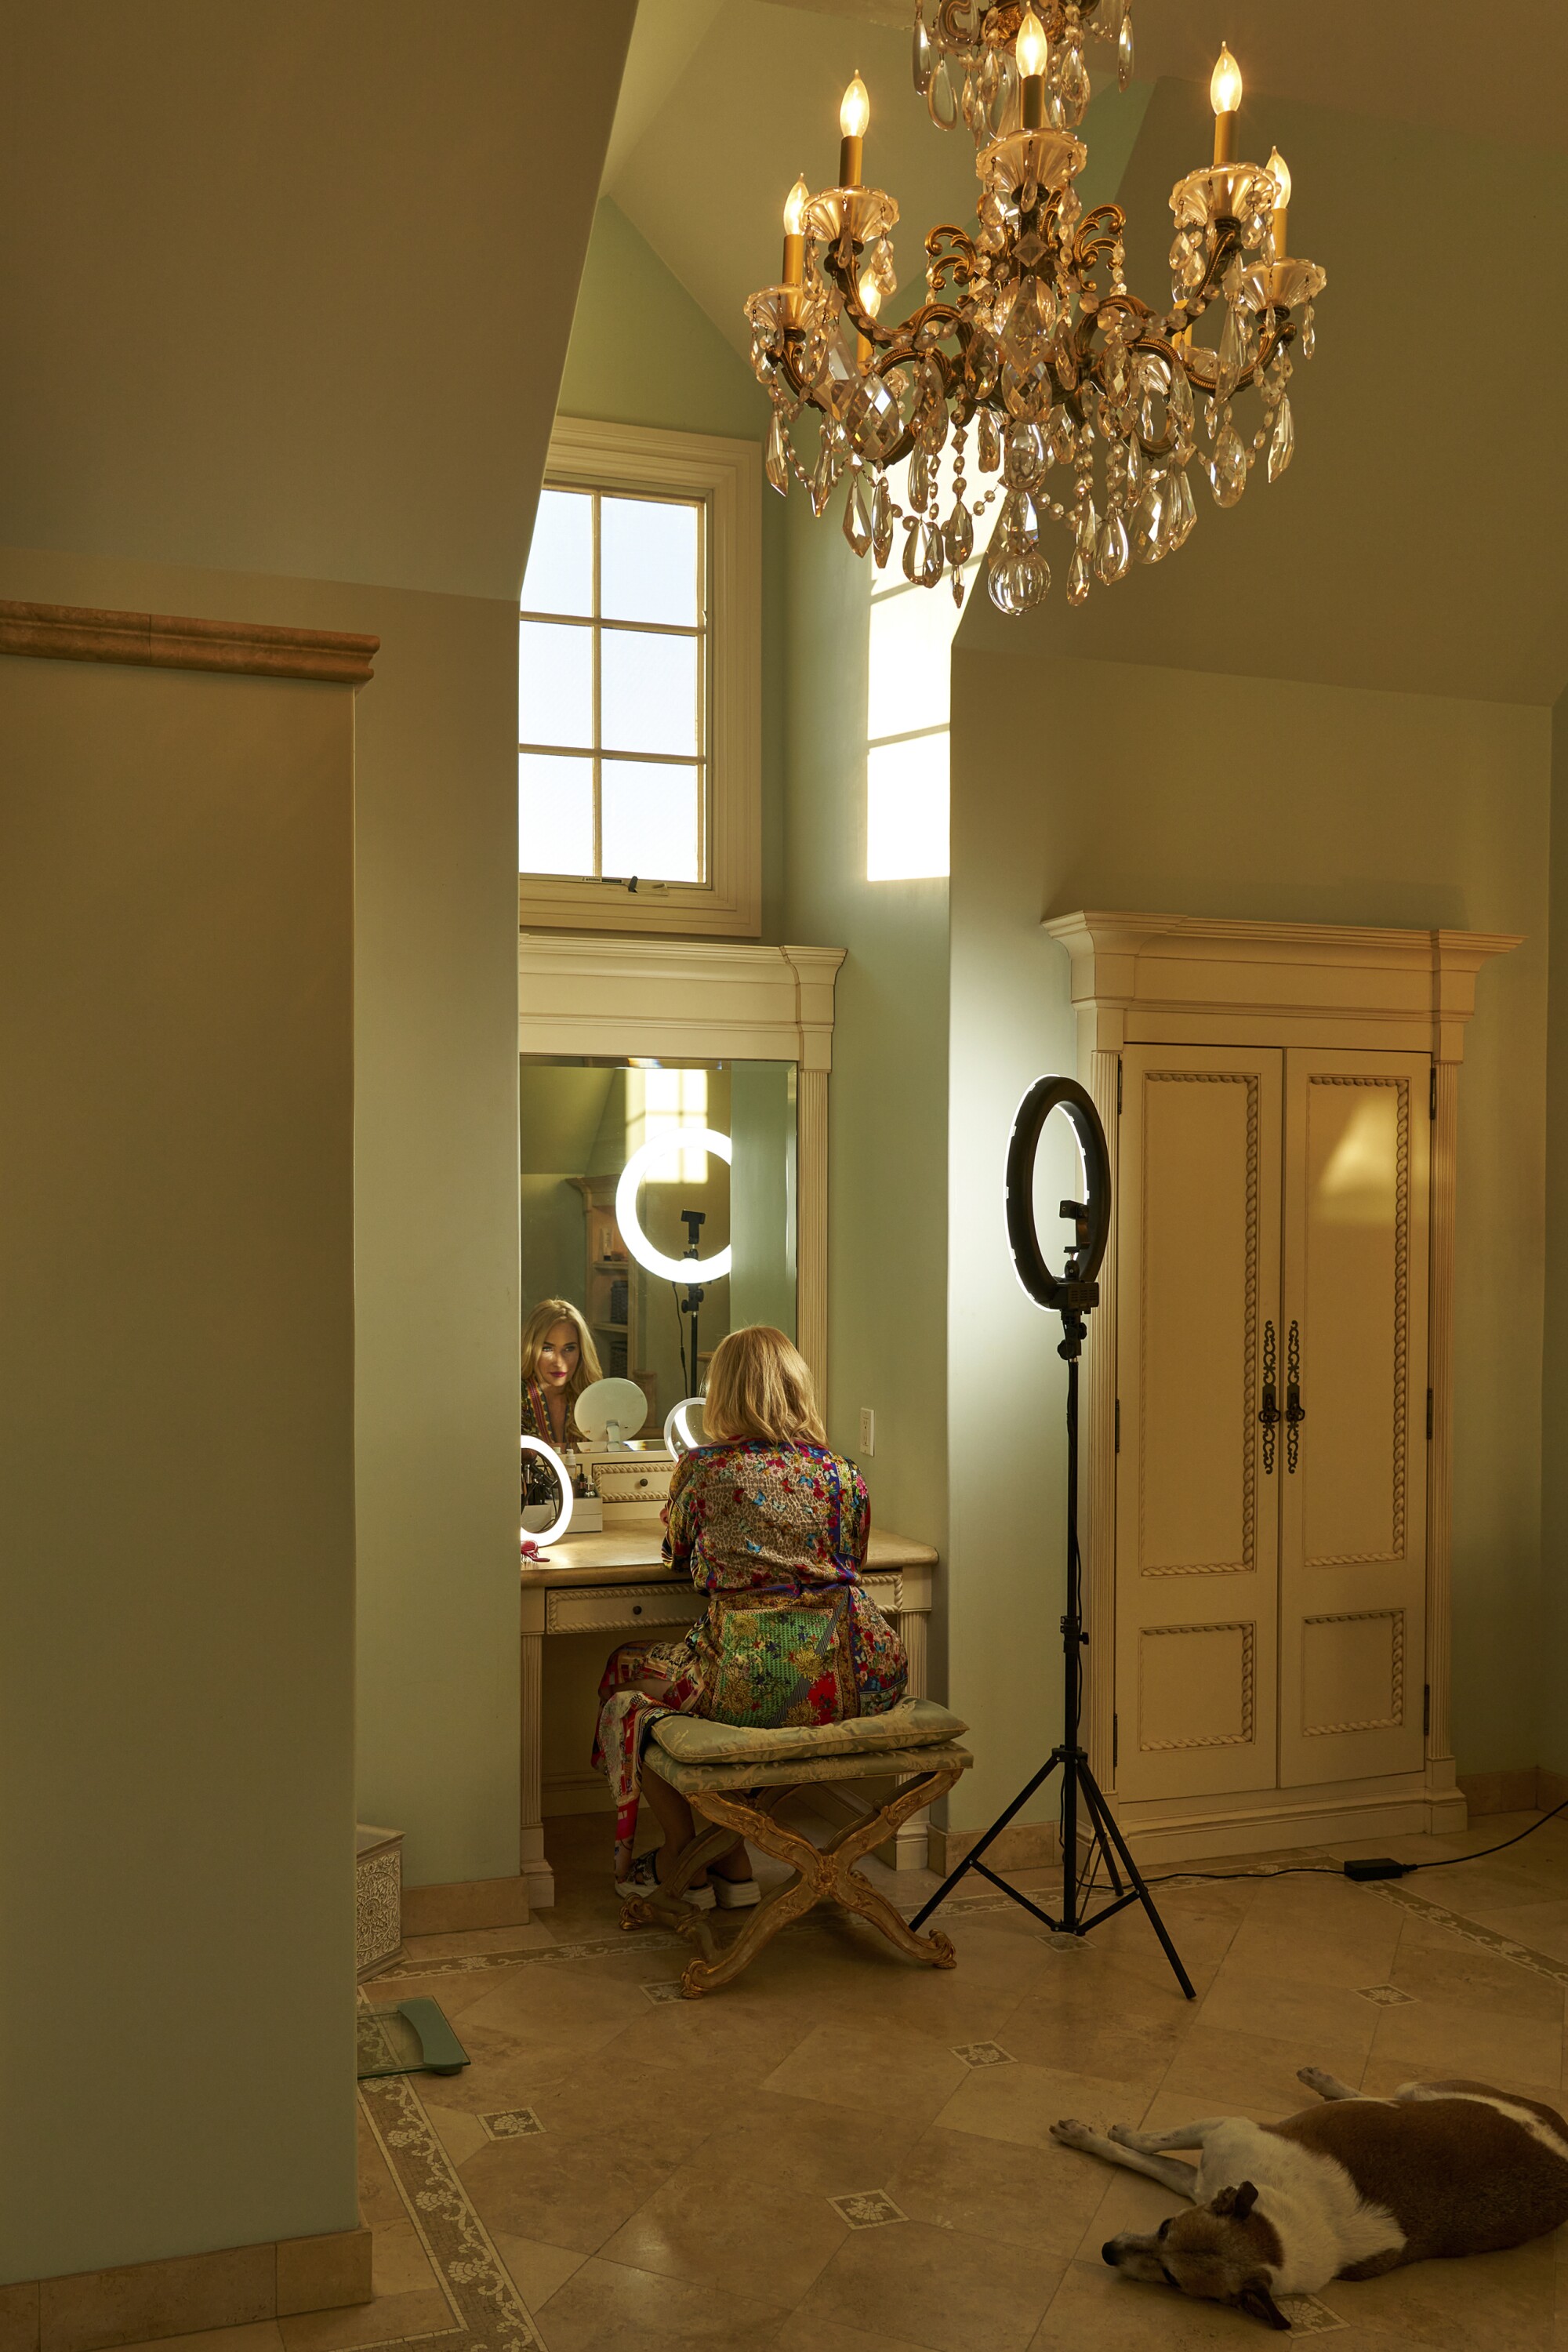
[[735, 1778]]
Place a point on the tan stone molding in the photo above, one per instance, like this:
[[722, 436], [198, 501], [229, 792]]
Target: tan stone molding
[[160, 641]]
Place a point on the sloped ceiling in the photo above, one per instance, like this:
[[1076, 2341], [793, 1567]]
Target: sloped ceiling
[[287, 286], [1414, 542]]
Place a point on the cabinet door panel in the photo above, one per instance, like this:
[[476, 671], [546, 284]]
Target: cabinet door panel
[[1196, 1515], [1353, 1517]]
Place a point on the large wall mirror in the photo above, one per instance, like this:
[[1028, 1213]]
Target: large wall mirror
[[582, 1118]]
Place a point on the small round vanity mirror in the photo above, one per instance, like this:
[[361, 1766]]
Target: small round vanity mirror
[[683, 1429], [543, 1523], [609, 1412]]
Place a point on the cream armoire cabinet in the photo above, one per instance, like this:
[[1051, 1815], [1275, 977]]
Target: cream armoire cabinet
[[1268, 1424]]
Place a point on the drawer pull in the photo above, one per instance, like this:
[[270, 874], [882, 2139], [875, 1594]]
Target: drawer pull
[[637, 1608]]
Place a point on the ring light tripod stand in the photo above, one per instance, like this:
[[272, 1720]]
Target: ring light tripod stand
[[1070, 1296]]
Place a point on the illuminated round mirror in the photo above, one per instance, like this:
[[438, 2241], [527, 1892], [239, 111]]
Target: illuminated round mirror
[[683, 1427], [672, 1269], [554, 1528]]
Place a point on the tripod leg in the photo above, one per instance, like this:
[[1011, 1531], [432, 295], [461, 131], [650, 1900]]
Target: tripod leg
[[977, 1851], [1114, 1839]]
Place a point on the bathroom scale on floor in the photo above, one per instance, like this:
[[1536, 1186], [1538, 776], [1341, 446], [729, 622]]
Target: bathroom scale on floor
[[414, 2038]]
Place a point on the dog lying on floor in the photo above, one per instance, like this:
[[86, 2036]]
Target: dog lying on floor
[[1348, 2190]]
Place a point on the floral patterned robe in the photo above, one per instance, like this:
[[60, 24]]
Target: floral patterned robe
[[776, 1536]]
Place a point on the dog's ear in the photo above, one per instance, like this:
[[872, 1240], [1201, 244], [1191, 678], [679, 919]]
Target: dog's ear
[[1245, 2199], [1258, 2304]]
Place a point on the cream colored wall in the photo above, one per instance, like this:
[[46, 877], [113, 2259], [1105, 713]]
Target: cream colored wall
[[1261, 798], [1551, 1692], [177, 1426]]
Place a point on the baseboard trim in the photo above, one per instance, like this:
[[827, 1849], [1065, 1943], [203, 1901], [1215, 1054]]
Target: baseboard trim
[[1528, 1788], [464, 1904], [1024, 1845], [90, 2311]]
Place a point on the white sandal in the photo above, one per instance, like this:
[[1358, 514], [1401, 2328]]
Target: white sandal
[[644, 1880]]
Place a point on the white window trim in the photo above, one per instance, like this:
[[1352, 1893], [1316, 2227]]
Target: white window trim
[[585, 453]]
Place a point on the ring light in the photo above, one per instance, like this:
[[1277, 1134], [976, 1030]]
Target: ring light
[[1075, 1287], [678, 1426], [551, 1535], [673, 1269], [609, 1412]]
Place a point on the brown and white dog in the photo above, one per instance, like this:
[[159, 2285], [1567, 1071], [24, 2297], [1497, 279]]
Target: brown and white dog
[[1348, 2190]]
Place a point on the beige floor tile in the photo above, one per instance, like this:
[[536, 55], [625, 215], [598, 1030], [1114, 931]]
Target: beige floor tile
[[1540, 1926], [456, 1994], [766, 2235], [942, 2288], [535, 2269], [606, 2307], [1036, 2197], [533, 1936], [1443, 2038], [1100, 2040], [801, 2335], [1128, 2200], [459, 2132], [379, 2202], [573, 2192], [385, 2320], [518, 2037], [821, 2150], [257, 2335], [1385, 2076], [399, 2264], [1021, 2103], [1440, 1966], [1223, 2068], [1347, 1951], [1292, 2008], [1168, 2108], [884, 2070]]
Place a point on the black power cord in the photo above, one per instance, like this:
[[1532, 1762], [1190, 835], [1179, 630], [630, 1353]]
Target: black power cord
[[1368, 1867]]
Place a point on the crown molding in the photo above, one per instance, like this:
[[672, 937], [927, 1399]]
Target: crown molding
[[162, 641]]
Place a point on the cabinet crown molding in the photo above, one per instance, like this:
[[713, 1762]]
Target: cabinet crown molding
[[1167, 979]]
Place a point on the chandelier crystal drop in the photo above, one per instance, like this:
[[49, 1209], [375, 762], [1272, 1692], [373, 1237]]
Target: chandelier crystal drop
[[1029, 362]]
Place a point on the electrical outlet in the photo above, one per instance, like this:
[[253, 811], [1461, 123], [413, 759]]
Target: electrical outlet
[[867, 1431]]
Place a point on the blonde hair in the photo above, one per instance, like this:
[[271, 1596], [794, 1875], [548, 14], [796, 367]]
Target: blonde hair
[[536, 1329], [759, 1386]]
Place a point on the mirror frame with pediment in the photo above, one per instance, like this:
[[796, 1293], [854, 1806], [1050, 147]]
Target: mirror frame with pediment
[[703, 1000]]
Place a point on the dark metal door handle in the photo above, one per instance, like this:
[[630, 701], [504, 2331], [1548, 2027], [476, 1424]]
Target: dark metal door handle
[[1295, 1411], [1269, 1414]]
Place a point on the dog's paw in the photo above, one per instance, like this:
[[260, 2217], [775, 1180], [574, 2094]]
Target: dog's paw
[[1071, 2133], [1125, 2135], [1317, 2079]]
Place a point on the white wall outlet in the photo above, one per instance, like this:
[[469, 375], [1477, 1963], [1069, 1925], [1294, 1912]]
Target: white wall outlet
[[867, 1431]]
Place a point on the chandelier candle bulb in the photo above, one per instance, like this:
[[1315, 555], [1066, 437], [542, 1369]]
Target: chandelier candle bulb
[[1033, 55], [853, 116], [1278, 223], [1225, 97], [794, 233], [870, 295]]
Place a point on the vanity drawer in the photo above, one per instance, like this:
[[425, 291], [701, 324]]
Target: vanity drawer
[[632, 1479], [624, 1608]]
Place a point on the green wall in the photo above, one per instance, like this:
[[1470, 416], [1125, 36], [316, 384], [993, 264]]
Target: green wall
[[643, 353], [887, 1121], [176, 1425], [1087, 785]]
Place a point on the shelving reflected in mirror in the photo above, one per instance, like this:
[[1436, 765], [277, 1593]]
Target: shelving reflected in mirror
[[580, 1122]]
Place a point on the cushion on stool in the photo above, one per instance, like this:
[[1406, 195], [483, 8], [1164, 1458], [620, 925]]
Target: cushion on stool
[[913, 1723]]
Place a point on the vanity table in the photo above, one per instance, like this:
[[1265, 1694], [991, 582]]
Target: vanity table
[[617, 1583]]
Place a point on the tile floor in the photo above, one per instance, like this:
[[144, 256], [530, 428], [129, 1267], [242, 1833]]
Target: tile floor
[[841, 2153]]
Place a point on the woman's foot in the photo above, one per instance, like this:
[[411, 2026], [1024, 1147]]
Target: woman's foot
[[644, 1880]]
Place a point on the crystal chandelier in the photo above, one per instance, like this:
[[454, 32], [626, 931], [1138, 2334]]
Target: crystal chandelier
[[1028, 359]]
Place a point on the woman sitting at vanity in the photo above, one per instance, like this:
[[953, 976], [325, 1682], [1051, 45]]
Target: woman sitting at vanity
[[559, 1361], [773, 1526]]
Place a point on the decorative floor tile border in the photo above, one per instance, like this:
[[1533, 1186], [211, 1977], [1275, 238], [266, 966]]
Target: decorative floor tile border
[[587, 1947], [488, 2314], [1540, 1964], [1308, 2317]]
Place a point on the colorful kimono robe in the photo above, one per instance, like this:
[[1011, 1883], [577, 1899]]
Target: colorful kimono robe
[[538, 1478], [776, 1536]]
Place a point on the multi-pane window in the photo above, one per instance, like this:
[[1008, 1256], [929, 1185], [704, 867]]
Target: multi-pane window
[[612, 713], [909, 675]]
